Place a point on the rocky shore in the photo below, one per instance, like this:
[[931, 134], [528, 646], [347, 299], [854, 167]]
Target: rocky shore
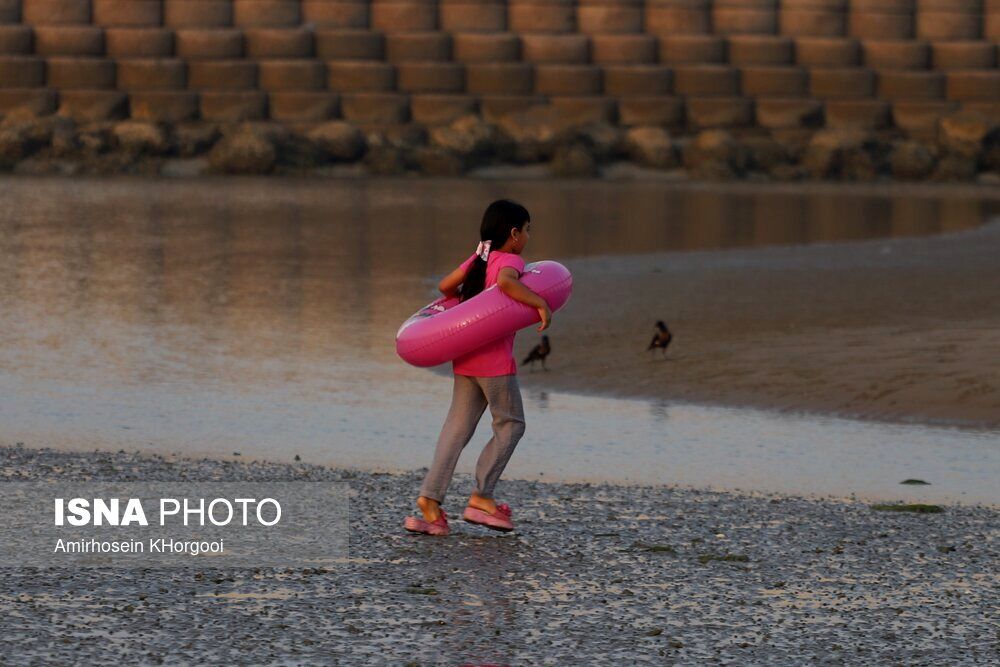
[[595, 574], [965, 148]]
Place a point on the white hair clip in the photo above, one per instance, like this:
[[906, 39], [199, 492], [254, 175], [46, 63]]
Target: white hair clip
[[484, 249]]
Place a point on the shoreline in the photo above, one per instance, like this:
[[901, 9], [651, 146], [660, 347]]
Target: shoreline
[[739, 451], [819, 329], [618, 172], [622, 171], [962, 147], [817, 411], [762, 405], [182, 460]]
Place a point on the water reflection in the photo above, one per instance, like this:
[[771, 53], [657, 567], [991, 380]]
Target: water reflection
[[539, 397], [659, 410], [160, 280]]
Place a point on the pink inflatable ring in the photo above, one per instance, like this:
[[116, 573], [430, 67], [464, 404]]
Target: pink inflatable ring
[[447, 328]]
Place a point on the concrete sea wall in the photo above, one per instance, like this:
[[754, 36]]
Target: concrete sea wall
[[696, 63], [781, 69]]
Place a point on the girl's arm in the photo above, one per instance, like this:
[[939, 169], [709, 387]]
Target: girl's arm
[[450, 283], [507, 281]]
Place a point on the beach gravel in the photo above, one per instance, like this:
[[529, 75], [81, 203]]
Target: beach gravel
[[594, 575]]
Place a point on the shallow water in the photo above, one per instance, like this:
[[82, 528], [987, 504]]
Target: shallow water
[[258, 316]]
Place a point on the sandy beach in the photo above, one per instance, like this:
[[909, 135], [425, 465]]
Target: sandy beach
[[595, 574], [906, 329]]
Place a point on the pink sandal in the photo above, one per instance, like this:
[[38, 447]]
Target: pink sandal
[[499, 521], [439, 526]]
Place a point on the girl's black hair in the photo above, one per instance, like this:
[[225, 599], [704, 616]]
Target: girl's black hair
[[500, 217]]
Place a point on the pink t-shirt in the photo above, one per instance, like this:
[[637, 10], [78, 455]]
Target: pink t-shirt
[[496, 358]]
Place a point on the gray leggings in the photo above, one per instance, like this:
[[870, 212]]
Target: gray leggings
[[468, 402]]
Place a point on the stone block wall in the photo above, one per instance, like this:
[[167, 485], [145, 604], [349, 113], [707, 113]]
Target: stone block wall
[[691, 64]]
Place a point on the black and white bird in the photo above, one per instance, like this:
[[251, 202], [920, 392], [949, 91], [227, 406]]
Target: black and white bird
[[538, 353], [661, 339]]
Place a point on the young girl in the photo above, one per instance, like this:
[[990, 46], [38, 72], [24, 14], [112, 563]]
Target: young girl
[[485, 376]]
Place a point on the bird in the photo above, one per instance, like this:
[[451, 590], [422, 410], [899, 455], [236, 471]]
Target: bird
[[538, 353], [662, 338]]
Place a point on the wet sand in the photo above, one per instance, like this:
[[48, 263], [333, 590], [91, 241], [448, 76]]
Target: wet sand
[[595, 574], [904, 329]]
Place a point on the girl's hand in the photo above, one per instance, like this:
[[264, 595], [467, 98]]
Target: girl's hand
[[546, 315], [508, 282]]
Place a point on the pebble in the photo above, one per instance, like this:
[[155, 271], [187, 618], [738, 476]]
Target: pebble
[[800, 581]]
